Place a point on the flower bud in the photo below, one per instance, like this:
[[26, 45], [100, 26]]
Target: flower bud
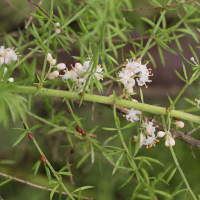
[[61, 66], [11, 79], [49, 57], [79, 67], [5, 70], [192, 59], [180, 124], [57, 30], [166, 143], [55, 74], [50, 77], [57, 24], [171, 141], [160, 134], [53, 62]]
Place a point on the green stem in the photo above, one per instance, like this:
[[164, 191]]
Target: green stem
[[106, 100], [177, 164], [181, 172], [179, 95], [42, 154]]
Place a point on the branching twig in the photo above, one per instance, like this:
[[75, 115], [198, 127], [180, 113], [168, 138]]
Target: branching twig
[[37, 186], [176, 134], [47, 14], [13, 6], [31, 18], [69, 170], [192, 131]]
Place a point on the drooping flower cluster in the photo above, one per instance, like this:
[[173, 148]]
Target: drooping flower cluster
[[52, 62], [169, 140], [7, 56], [134, 69], [147, 135], [80, 73]]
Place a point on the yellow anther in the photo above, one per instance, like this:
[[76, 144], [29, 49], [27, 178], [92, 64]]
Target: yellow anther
[[152, 120], [125, 68], [134, 140], [195, 99], [97, 75], [145, 119], [157, 140], [123, 64], [125, 108], [122, 82], [118, 72], [130, 71], [147, 147], [147, 62], [126, 59], [146, 86], [124, 115], [102, 79]]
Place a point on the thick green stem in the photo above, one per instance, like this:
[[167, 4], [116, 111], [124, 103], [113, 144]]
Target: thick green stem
[[106, 100]]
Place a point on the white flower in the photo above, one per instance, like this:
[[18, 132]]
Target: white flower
[[79, 69], [11, 79], [129, 87], [8, 55], [133, 66], [180, 124], [57, 24], [150, 141], [132, 115], [70, 74], [143, 79], [149, 128], [53, 62], [142, 139], [61, 66], [125, 76], [99, 76], [160, 134], [81, 84]]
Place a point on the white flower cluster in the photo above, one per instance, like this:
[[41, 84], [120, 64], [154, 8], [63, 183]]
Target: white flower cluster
[[134, 69], [169, 140], [147, 137], [60, 66], [80, 73], [7, 56]]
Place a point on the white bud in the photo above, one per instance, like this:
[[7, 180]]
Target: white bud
[[57, 30], [166, 143], [57, 24], [53, 62], [49, 57], [5, 70], [61, 66], [79, 67], [192, 59], [160, 134], [50, 77], [1, 61], [180, 124], [171, 141], [11, 79], [55, 74], [134, 100]]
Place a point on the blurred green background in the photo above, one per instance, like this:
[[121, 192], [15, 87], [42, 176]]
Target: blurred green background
[[24, 155]]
